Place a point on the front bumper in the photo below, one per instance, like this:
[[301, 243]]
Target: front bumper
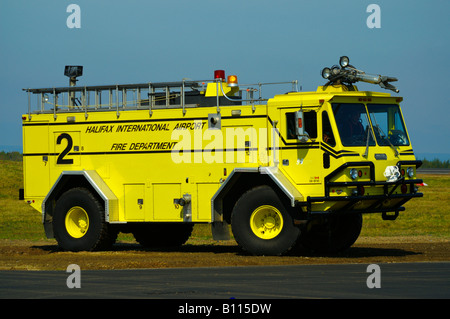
[[381, 203]]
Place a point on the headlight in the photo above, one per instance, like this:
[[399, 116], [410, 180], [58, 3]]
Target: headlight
[[410, 172], [353, 173]]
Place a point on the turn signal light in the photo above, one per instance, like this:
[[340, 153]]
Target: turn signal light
[[404, 188], [361, 190]]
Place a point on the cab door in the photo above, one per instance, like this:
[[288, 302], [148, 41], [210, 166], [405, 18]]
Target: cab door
[[302, 162]]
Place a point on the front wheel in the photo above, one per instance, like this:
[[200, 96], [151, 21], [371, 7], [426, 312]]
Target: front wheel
[[262, 223], [333, 234], [79, 222]]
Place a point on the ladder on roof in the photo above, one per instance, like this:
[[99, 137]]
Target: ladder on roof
[[149, 96]]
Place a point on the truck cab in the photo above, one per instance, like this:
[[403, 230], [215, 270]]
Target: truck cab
[[357, 145]]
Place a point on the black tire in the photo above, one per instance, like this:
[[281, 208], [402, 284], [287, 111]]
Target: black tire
[[332, 234], [262, 223], [154, 235], [97, 235]]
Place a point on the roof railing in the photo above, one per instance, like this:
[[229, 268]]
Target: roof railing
[[151, 96]]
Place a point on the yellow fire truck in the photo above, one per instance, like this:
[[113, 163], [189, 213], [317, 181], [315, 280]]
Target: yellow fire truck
[[153, 159]]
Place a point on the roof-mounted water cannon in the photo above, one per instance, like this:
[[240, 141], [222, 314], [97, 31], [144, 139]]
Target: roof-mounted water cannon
[[345, 73]]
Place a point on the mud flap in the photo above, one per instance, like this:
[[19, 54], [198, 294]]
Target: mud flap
[[220, 231]]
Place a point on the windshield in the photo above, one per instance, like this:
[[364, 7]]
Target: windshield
[[388, 124], [354, 126]]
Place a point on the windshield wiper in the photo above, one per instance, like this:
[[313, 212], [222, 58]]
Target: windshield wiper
[[369, 132], [387, 139], [384, 135]]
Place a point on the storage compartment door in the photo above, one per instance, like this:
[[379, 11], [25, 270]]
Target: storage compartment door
[[134, 200], [164, 208]]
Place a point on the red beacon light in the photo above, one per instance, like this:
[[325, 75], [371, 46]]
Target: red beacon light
[[219, 74]]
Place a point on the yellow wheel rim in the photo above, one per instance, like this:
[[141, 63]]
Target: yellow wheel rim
[[77, 222], [266, 222]]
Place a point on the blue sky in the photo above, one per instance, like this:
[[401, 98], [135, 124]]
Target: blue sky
[[261, 41]]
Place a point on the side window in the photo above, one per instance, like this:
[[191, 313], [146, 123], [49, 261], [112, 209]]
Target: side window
[[327, 132], [310, 124], [290, 125]]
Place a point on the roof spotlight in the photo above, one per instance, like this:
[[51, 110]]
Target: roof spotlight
[[73, 71], [344, 61], [326, 72], [335, 70]]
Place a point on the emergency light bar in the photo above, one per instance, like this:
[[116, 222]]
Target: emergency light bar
[[348, 74], [232, 80]]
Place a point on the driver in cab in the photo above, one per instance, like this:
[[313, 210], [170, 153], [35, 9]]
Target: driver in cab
[[353, 127]]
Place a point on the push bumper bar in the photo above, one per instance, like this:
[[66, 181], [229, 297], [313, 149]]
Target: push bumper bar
[[378, 200]]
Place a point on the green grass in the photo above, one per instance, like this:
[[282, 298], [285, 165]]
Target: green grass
[[17, 219], [427, 216]]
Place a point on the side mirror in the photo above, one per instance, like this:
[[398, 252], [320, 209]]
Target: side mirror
[[302, 135]]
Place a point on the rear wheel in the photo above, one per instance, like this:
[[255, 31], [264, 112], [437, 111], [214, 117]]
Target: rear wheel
[[79, 222], [262, 223], [332, 234]]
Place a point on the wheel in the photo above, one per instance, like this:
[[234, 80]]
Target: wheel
[[153, 235], [79, 222], [262, 223], [331, 235]]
